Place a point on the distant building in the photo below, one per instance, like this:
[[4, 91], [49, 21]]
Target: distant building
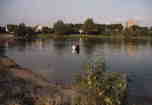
[[131, 23], [6, 29], [38, 28]]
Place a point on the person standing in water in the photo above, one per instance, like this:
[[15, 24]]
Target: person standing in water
[[76, 48], [73, 48]]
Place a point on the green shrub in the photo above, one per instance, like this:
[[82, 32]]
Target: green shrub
[[97, 87]]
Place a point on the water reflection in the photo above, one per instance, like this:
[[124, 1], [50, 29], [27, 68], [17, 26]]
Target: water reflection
[[2, 51], [39, 44], [89, 46], [131, 48], [54, 59], [3, 46], [22, 45], [60, 45]]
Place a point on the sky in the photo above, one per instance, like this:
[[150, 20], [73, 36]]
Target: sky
[[75, 11]]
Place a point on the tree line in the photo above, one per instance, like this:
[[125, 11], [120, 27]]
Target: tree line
[[89, 27], [2, 29]]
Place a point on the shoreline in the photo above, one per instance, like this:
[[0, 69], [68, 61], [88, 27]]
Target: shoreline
[[25, 86], [45, 36], [7, 36]]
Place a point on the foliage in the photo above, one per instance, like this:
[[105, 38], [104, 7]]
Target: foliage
[[97, 87], [115, 28], [136, 31], [24, 31], [44, 36], [101, 28], [21, 30], [69, 29], [77, 27], [60, 27], [89, 26], [2, 29], [150, 31], [12, 28]]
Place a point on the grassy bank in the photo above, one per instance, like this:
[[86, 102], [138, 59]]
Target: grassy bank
[[46, 36], [4, 36], [83, 36]]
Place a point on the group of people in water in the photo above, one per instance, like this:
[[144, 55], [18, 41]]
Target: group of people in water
[[76, 48]]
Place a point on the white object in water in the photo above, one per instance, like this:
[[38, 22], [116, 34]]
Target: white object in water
[[73, 49]]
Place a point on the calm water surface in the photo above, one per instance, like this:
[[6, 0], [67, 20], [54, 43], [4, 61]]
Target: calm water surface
[[54, 60]]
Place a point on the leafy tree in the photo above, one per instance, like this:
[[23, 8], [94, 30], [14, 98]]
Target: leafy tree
[[21, 30], [136, 30], [69, 29], [24, 31], [60, 27], [114, 28], [97, 87], [12, 27], [2, 29], [89, 26], [101, 28], [151, 28], [77, 28], [144, 31], [117, 27], [150, 31], [30, 32]]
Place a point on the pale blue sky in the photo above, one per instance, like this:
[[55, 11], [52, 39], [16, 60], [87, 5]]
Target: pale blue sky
[[48, 11]]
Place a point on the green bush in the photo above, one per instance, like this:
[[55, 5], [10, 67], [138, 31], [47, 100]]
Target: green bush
[[97, 87]]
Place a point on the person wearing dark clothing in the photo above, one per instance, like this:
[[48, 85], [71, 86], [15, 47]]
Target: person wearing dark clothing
[[77, 48]]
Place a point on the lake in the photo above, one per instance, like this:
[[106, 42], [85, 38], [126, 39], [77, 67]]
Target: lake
[[53, 58]]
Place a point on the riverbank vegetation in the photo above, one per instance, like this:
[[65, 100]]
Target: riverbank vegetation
[[21, 86], [98, 87], [88, 29]]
